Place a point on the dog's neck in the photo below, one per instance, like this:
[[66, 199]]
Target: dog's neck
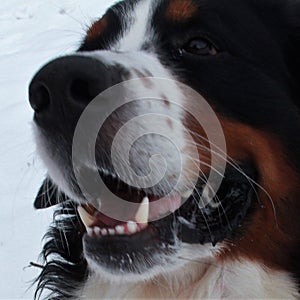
[[200, 280]]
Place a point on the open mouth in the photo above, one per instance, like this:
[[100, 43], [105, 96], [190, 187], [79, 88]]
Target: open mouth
[[98, 224], [116, 244]]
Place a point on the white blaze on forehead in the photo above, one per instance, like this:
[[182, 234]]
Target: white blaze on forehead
[[132, 61], [138, 30]]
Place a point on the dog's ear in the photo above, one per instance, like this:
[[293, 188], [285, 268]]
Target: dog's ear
[[48, 195]]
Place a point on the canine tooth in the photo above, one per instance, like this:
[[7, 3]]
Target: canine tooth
[[187, 194], [207, 197], [86, 218], [142, 214], [120, 229], [103, 231], [89, 231], [132, 227], [111, 232], [206, 192], [97, 230]]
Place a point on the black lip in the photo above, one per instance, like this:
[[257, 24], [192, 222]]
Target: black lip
[[215, 224], [47, 195], [134, 254]]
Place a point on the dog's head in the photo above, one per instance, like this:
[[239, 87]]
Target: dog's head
[[186, 88]]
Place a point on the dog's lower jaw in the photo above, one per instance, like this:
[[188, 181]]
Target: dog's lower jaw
[[200, 279], [163, 264]]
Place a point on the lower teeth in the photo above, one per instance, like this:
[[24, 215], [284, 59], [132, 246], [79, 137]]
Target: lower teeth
[[127, 229]]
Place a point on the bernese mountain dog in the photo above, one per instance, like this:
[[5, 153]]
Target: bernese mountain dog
[[171, 140]]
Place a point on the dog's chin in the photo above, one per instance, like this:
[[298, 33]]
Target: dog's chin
[[115, 272], [133, 257], [147, 265]]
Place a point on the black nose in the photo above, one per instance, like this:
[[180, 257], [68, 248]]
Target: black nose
[[71, 81]]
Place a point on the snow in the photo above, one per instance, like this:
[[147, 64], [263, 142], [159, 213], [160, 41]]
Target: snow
[[32, 32]]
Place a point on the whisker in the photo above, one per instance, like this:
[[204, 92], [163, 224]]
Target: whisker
[[232, 163], [203, 163], [219, 205]]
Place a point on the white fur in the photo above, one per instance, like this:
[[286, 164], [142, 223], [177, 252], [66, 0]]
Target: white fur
[[56, 174], [201, 279], [139, 18]]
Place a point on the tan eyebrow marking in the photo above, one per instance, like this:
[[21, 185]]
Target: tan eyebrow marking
[[96, 29], [181, 10]]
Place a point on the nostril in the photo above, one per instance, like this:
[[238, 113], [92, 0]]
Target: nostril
[[82, 91], [66, 83], [39, 97]]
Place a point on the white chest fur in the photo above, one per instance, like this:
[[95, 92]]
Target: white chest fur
[[201, 280]]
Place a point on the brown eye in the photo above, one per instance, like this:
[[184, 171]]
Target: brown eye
[[200, 46]]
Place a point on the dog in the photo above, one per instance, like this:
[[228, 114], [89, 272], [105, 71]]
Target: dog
[[148, 60]]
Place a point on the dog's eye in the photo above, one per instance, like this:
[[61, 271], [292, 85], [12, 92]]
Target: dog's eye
[[200, 46]]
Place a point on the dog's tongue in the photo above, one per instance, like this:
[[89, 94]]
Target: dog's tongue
[[149, 210]]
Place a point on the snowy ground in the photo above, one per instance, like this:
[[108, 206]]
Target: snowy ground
[[32, 32]]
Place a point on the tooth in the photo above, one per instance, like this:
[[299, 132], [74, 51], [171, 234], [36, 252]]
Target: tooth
[[111, 232], [206, 196], [187, 194], [86, 218], [132, 227], [206, 192], [89, 231], [142, 214], [120, 229], [97, 230], [103, 231]]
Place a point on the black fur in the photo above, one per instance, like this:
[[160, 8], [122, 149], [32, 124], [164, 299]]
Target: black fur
[[65, 268]]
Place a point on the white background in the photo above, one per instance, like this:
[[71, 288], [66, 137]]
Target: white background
[[31, 33]]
